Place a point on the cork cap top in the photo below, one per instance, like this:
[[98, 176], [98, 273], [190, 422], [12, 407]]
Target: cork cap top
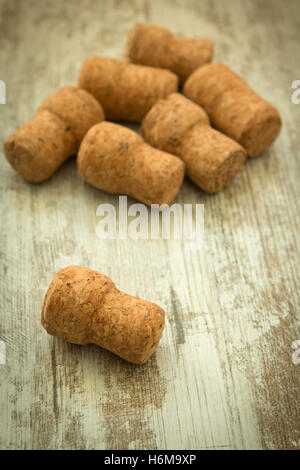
[[76, 107], [168, 120]]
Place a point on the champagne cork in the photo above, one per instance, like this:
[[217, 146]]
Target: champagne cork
[[181, 127], [155, 46], [234, 108], [39, 147], [126, 91], [83, 306], [118, 160]]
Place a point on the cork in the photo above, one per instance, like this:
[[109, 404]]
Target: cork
[[118, 160], [181, 127], [38, 148], [234, 108], [126, 91], [152, 45], [84, 306]]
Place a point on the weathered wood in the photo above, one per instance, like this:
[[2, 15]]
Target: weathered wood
[[223, 376]]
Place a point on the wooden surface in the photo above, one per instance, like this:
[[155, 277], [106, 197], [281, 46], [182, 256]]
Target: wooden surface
[[223, 376]]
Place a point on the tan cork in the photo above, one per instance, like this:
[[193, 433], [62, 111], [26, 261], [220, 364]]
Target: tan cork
[[126, 91], [181, 127], [83, 306], [234, 108], [155, 46], [118, 160], [39, 147]]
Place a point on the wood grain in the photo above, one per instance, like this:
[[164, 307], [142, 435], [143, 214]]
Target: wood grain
[[223, 376]]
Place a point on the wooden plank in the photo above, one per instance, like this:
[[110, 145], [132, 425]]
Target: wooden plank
[[223, 376]]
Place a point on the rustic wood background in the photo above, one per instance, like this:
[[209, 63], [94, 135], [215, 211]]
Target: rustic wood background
[[223, 376]]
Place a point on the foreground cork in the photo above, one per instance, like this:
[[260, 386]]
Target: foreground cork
[[38, 148], [152, 45], [126, 91], [83, 306], [234, 108], [181, 127], [118, 160]]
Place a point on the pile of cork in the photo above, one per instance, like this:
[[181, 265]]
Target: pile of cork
[[207, 132]]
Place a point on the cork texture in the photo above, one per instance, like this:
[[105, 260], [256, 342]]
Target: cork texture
[[83, 306], [126, 91], [38, 148], [181, 127], [77, 108], [118, 160], [234, 108], [155, 46]]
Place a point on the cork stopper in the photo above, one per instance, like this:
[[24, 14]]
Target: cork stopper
[[179, 126], [155, 46], [234, 108], [38, 148], [167, 122], [77, 108], [117, 160], [212, 159], [83, 306], [126, 91]]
